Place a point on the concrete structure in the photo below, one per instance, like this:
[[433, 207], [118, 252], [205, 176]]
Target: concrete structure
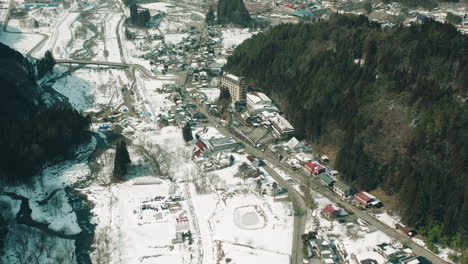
[[236, 87], [221, 144], [257, 98]]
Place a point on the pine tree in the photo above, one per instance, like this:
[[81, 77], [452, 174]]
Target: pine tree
[[233, 11], [46, 64], [187, 132], [210, 16], [121, 161]]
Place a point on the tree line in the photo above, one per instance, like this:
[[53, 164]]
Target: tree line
[[392, 99]]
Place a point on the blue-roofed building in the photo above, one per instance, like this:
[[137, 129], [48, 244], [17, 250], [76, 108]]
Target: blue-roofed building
[[304, 14], [326, 179]]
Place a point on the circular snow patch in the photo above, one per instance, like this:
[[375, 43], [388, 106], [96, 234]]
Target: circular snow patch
[[249, 217]]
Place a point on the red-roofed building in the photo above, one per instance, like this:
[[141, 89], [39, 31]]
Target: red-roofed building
[[200, 147], [330, 212], [254, 161], [313, 168], [366, 200]]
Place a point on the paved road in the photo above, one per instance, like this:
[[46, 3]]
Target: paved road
[[300, 215], [7, 16], [318, 187]]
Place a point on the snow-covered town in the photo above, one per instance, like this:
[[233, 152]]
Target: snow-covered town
[[208, 181]]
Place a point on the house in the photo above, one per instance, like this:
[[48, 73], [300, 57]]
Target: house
[[402, 259], [330, 212], [294, 144], [215, 67], [200, 147], [326, 179], [254, 161], [245, 171], [182, 224], [325, 250], [366, 200], [386, 250], [281, 127], [313, 168], [342, 189], [272, 189]]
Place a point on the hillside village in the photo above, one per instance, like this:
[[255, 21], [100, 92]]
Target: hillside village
[[238, 188]]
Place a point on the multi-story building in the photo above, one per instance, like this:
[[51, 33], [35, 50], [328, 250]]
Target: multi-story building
[[236, 87]]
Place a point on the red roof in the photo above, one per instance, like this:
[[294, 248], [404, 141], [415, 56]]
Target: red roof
[[310, 165], [197, 153], [329, 209], [201, 146], [364, 196], [313, 167], [251, 158]]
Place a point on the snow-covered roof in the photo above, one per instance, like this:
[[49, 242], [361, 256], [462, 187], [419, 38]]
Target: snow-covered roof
[[281, 124], [232, 76], [257, 97]]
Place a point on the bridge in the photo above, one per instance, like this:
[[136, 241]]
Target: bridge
[[98, 63], [122, 65]]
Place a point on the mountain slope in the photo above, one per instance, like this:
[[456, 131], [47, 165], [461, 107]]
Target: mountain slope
[[38, 124], [391, 100]]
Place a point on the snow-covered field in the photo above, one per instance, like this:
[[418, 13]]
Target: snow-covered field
[[92, 90], [144, 235], [20, 42], [59, 41], [235, 36]]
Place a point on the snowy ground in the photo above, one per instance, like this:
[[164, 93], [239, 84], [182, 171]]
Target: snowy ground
[[92, 90], [234, 36]]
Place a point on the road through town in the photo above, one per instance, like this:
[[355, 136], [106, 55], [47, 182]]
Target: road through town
[[318, 187]]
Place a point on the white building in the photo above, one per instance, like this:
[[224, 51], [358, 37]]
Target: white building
[[258, 102], [236, 87]]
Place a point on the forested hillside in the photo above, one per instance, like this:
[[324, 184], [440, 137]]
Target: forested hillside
[[393, 101], [38, 124]]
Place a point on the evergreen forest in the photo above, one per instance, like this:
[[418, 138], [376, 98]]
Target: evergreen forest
[[35, 130], [391, 101]]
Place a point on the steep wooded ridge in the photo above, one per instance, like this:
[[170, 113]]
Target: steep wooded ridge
[[38, 124], [393, 101]]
